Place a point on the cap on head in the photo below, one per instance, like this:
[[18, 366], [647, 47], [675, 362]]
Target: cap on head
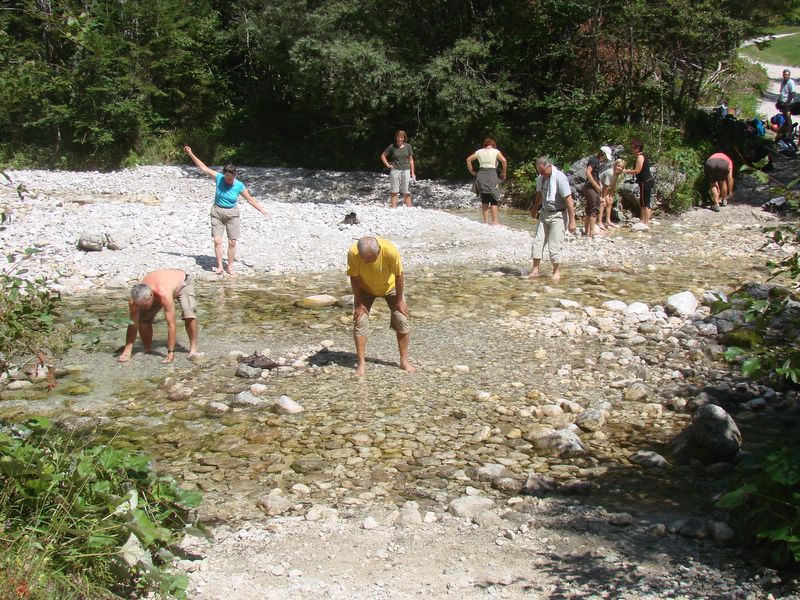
[[607, 151]]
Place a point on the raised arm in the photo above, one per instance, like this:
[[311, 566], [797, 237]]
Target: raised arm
[[199, 163], [637, 166]]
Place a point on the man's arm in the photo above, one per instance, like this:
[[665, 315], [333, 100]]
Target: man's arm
[[730, 183], [200, 164], [255, 203], [570, 212], [537, 202], [399, 286], [413, 167], [131, 332], [358, 298], [169, 316]]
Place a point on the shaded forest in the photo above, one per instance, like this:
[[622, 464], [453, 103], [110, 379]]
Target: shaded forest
[[325, 84]]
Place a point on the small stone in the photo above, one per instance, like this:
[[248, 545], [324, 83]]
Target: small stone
[[369, 523], [720, 532], [217, 408], [648, 458], [246, 399], [620, 519], [469, 506], [19, 384], [636, 392], [682, 304], [590, 420], [487, 518], [247, 372], [317, 301], [287, 406], [273, 504], [461, 368]]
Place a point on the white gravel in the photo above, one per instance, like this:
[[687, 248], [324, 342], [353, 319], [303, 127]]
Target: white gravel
[[164, 212]]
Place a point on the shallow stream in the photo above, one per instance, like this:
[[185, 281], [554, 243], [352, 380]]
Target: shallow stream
[[388, 436]]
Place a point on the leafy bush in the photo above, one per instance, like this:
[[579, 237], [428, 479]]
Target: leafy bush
[[767, 504], [87, 517], [774, 351]]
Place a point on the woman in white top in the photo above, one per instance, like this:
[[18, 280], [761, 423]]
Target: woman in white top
[[487, 184], [609, 180]]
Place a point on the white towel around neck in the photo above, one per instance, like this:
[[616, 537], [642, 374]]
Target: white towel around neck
[[552, 187]]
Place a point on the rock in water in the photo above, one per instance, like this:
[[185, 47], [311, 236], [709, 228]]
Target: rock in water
[[316, 301], [682, 304], [287, 406]]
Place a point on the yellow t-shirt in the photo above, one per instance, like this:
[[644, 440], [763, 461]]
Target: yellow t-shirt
[[377, 277]]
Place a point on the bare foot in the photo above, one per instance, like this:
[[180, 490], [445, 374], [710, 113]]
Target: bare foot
[[196, 352], [406, 366], [556, 275], [231, 273], [533, 274], [124, 357], [219, 271], [360, 370], [169, 358]]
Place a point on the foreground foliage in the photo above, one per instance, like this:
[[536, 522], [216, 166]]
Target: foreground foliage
[[766, 499], [28, 308], [84, 520], [767, 503]]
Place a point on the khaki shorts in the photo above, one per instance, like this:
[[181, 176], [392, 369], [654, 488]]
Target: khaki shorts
[[398, 181], [398, 321], [225, 219], [185, 298]]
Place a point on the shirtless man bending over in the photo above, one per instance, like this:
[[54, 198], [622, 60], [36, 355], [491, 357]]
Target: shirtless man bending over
[[157, 291]]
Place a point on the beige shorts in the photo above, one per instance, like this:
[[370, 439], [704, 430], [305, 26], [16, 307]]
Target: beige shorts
[[398, 321], [225, 220]]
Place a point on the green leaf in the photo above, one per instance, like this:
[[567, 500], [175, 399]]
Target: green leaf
[[751, 367], [737, 497]]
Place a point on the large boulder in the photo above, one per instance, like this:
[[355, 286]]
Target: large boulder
[[711, 438]]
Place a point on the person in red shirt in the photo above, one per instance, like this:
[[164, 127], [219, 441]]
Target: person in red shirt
[[719, 175]]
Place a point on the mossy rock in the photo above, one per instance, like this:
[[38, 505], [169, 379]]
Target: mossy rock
[[77, 389], [743, 338]]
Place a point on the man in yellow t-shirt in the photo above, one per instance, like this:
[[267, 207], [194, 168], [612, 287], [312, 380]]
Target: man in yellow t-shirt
[[376, 271]]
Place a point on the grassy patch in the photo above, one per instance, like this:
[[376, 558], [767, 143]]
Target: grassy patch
[[783, 51]]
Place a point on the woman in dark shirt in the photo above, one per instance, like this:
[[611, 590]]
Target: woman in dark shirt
[[641, 169]]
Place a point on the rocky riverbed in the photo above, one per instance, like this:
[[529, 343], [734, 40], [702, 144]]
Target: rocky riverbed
[[528, 456]]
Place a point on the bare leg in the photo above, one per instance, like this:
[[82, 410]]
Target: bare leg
[[231, 257], [146, 333], [535, 271], [393, 200], [361, 353], [485, 211], [407, 199], [191, 332], [494, 215], [218, 254], [402, 344], [556, 272]]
